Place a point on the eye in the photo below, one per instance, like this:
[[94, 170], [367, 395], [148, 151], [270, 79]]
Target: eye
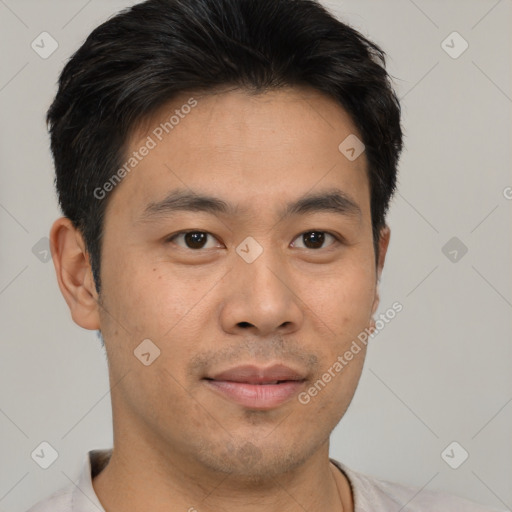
[[314, 239], [193, 239]]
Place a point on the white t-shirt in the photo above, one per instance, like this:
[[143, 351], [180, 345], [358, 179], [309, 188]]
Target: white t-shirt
[[369, 493]]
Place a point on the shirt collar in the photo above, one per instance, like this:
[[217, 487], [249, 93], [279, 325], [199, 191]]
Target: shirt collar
[[84, 497]]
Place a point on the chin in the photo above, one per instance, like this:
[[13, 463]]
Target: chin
[[254, 462]]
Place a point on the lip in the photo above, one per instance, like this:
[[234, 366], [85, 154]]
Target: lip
[[252, 374], [256, 387]]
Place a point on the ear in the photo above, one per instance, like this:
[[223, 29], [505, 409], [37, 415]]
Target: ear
[[384, 237], [74, 273]]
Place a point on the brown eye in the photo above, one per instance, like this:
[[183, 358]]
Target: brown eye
[[313, 239], [193, 239]]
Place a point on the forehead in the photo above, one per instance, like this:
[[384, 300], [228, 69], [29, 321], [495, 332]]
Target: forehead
[[247, 148]]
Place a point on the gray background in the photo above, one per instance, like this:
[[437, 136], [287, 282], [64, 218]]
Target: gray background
[[439, 372]]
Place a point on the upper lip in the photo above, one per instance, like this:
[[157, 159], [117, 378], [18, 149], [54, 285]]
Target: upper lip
[[251, 374]]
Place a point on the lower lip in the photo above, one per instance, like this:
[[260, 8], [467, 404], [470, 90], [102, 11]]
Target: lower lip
[[257, 396]]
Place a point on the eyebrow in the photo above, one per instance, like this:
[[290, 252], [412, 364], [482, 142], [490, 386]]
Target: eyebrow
[[332, 200]]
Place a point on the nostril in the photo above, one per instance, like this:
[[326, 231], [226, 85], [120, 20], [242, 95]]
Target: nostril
[[244, 324]]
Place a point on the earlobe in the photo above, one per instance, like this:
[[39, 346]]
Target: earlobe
[[74, 273]]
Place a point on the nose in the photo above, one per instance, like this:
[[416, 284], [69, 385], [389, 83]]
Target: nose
[[260, 298]]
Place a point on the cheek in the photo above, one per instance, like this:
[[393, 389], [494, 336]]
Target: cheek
[[343, 298], [150, 297]]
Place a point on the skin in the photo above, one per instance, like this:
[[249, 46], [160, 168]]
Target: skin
[[178, 445]]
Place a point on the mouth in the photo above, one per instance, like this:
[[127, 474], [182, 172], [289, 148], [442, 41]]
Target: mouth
[[255, 387]]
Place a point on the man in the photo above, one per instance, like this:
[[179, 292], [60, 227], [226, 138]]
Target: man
[[224, 168]]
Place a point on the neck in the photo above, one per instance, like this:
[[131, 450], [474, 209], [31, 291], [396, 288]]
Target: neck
[[137, 476]]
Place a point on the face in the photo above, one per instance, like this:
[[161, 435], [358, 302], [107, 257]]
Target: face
[[270, 279]]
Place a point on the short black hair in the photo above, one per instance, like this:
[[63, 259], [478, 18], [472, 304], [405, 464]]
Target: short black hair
[[141, 58]]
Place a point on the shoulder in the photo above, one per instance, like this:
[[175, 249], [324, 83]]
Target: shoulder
[[59, 501], [374, 495], [80, 496]]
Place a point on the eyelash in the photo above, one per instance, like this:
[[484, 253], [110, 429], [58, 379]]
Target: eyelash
[[337, 238]]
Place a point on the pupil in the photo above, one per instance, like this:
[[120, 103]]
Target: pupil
[[315, 237], [195, 239]]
